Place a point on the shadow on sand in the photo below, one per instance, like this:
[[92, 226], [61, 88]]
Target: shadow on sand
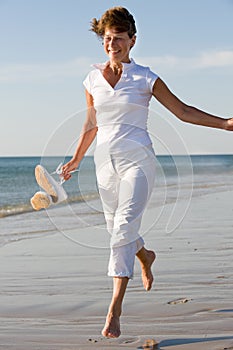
[[182, 341]]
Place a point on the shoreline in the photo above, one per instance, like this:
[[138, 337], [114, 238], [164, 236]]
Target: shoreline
[[55, 293]]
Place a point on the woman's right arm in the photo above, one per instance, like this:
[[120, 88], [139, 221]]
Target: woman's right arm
[[87, 136]]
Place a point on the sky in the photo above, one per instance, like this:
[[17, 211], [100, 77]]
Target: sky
[[46, 50]]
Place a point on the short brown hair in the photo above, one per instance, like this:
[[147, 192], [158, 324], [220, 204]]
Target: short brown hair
[[116, 17]]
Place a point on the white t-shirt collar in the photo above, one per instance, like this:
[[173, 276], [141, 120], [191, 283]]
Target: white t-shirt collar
[[126, 66]]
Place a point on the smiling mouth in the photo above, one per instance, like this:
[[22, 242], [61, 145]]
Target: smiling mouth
[[113, 51]]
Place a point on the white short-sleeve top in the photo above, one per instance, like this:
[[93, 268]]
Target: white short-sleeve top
[[122, 111]]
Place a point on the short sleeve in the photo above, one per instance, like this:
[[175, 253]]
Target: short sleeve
[[151, 79], [87, 83]]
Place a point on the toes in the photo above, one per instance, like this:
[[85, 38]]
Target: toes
[[110, 334]]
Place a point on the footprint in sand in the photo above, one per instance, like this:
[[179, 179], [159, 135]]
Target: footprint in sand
[[122, 340], [128, 340], [179, 301]]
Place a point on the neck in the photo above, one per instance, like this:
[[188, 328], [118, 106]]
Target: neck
[[116, 67]]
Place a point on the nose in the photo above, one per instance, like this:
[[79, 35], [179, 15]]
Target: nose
[[112, 41]]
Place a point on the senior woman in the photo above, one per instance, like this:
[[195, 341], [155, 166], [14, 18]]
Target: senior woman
[[118, 93]]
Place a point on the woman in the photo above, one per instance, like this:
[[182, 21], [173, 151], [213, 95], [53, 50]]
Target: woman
[[118, 94]]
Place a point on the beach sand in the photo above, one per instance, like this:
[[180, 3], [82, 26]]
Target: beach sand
[[55, 292]]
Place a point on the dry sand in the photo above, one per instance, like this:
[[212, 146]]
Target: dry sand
[[55, 293]]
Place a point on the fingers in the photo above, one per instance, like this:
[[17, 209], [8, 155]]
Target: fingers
[[66, 172], [67, 169], [66, 176]]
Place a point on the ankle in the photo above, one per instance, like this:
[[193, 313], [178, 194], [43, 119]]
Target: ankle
[[145, 253], [142, 255], [114, 311]]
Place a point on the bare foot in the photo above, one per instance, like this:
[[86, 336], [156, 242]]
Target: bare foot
[[112, 326], [146, 262]]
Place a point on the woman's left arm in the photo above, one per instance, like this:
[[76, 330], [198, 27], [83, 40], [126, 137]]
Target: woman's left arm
[[187, 113]]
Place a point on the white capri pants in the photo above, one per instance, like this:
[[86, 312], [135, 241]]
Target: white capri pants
[[125, 182]]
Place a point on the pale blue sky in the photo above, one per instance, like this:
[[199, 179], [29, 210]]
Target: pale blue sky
[[46, 50]]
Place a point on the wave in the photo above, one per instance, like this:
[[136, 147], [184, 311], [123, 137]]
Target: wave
[[17, 185]]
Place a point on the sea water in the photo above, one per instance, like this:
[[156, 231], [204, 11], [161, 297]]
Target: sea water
[[178, 179]]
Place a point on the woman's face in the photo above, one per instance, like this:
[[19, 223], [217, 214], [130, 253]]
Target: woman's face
[[117, 45]]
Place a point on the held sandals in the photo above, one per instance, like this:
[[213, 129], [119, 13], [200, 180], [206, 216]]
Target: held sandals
[[54, 192]]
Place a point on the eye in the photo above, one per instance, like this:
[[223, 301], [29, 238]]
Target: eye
[[116, 38]]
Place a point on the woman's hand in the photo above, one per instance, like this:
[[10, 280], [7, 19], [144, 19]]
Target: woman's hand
[[68, 167], [229, 124]]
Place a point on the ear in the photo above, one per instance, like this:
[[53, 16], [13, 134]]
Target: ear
[[133, 41]]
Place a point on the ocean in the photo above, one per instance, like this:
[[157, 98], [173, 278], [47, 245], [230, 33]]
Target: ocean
[[179, 178]]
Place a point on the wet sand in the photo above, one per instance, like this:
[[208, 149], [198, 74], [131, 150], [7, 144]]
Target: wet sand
[[55, 292]]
